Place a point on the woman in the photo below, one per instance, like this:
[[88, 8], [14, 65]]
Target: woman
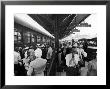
[[26, 61], [84, 70], [37, 66], [92, 67], [19, 69]]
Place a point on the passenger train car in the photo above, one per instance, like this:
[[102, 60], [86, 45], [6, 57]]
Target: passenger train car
[[26, 34]]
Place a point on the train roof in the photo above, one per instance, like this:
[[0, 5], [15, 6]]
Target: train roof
[[27, 21]]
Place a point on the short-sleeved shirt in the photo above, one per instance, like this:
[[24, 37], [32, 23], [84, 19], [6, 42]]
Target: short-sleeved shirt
[[69, 57]]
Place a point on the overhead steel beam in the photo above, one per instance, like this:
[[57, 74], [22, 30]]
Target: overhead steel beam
[[77, 20]]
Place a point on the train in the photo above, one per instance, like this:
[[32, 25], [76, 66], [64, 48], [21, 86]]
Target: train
[[28, 34]]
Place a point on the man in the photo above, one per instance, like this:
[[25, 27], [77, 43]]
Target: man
[[19, 69], [49, 53], [72, 61], [72, 53], [31, 54], [44, 52], [85, 45], [82, 55]]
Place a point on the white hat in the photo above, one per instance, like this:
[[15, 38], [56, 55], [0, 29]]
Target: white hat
[[27, 48], [75, 45], [80, 45], [38, 53]]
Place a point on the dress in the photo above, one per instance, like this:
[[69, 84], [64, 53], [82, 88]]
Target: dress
[[37, 67]]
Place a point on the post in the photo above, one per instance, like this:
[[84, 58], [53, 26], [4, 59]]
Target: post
[[56, 34]]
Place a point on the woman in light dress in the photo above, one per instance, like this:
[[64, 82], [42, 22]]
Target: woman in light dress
[[37, 66]]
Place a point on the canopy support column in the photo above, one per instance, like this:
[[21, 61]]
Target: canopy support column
[[56, 34]]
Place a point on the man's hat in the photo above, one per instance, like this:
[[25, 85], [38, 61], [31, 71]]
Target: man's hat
[[27, 48], [75, 45]]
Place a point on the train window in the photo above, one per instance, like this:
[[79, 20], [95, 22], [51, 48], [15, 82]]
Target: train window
[[48, 40], [17, 36], [38, 38], [43, 39], [27, 37], [32, 38], [15, 33]]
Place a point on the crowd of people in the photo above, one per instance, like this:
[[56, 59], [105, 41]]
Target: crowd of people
[[72, 59], [32, 61]]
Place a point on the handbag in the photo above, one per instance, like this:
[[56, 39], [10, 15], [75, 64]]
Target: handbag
[[81, 63]]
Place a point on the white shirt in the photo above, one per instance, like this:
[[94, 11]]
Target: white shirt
[[49, 53], [38, 52], [69, 57], [17, 57], [81, 51]]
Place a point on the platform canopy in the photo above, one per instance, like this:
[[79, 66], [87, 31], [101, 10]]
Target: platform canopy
[[84, 32], [65, 22]]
